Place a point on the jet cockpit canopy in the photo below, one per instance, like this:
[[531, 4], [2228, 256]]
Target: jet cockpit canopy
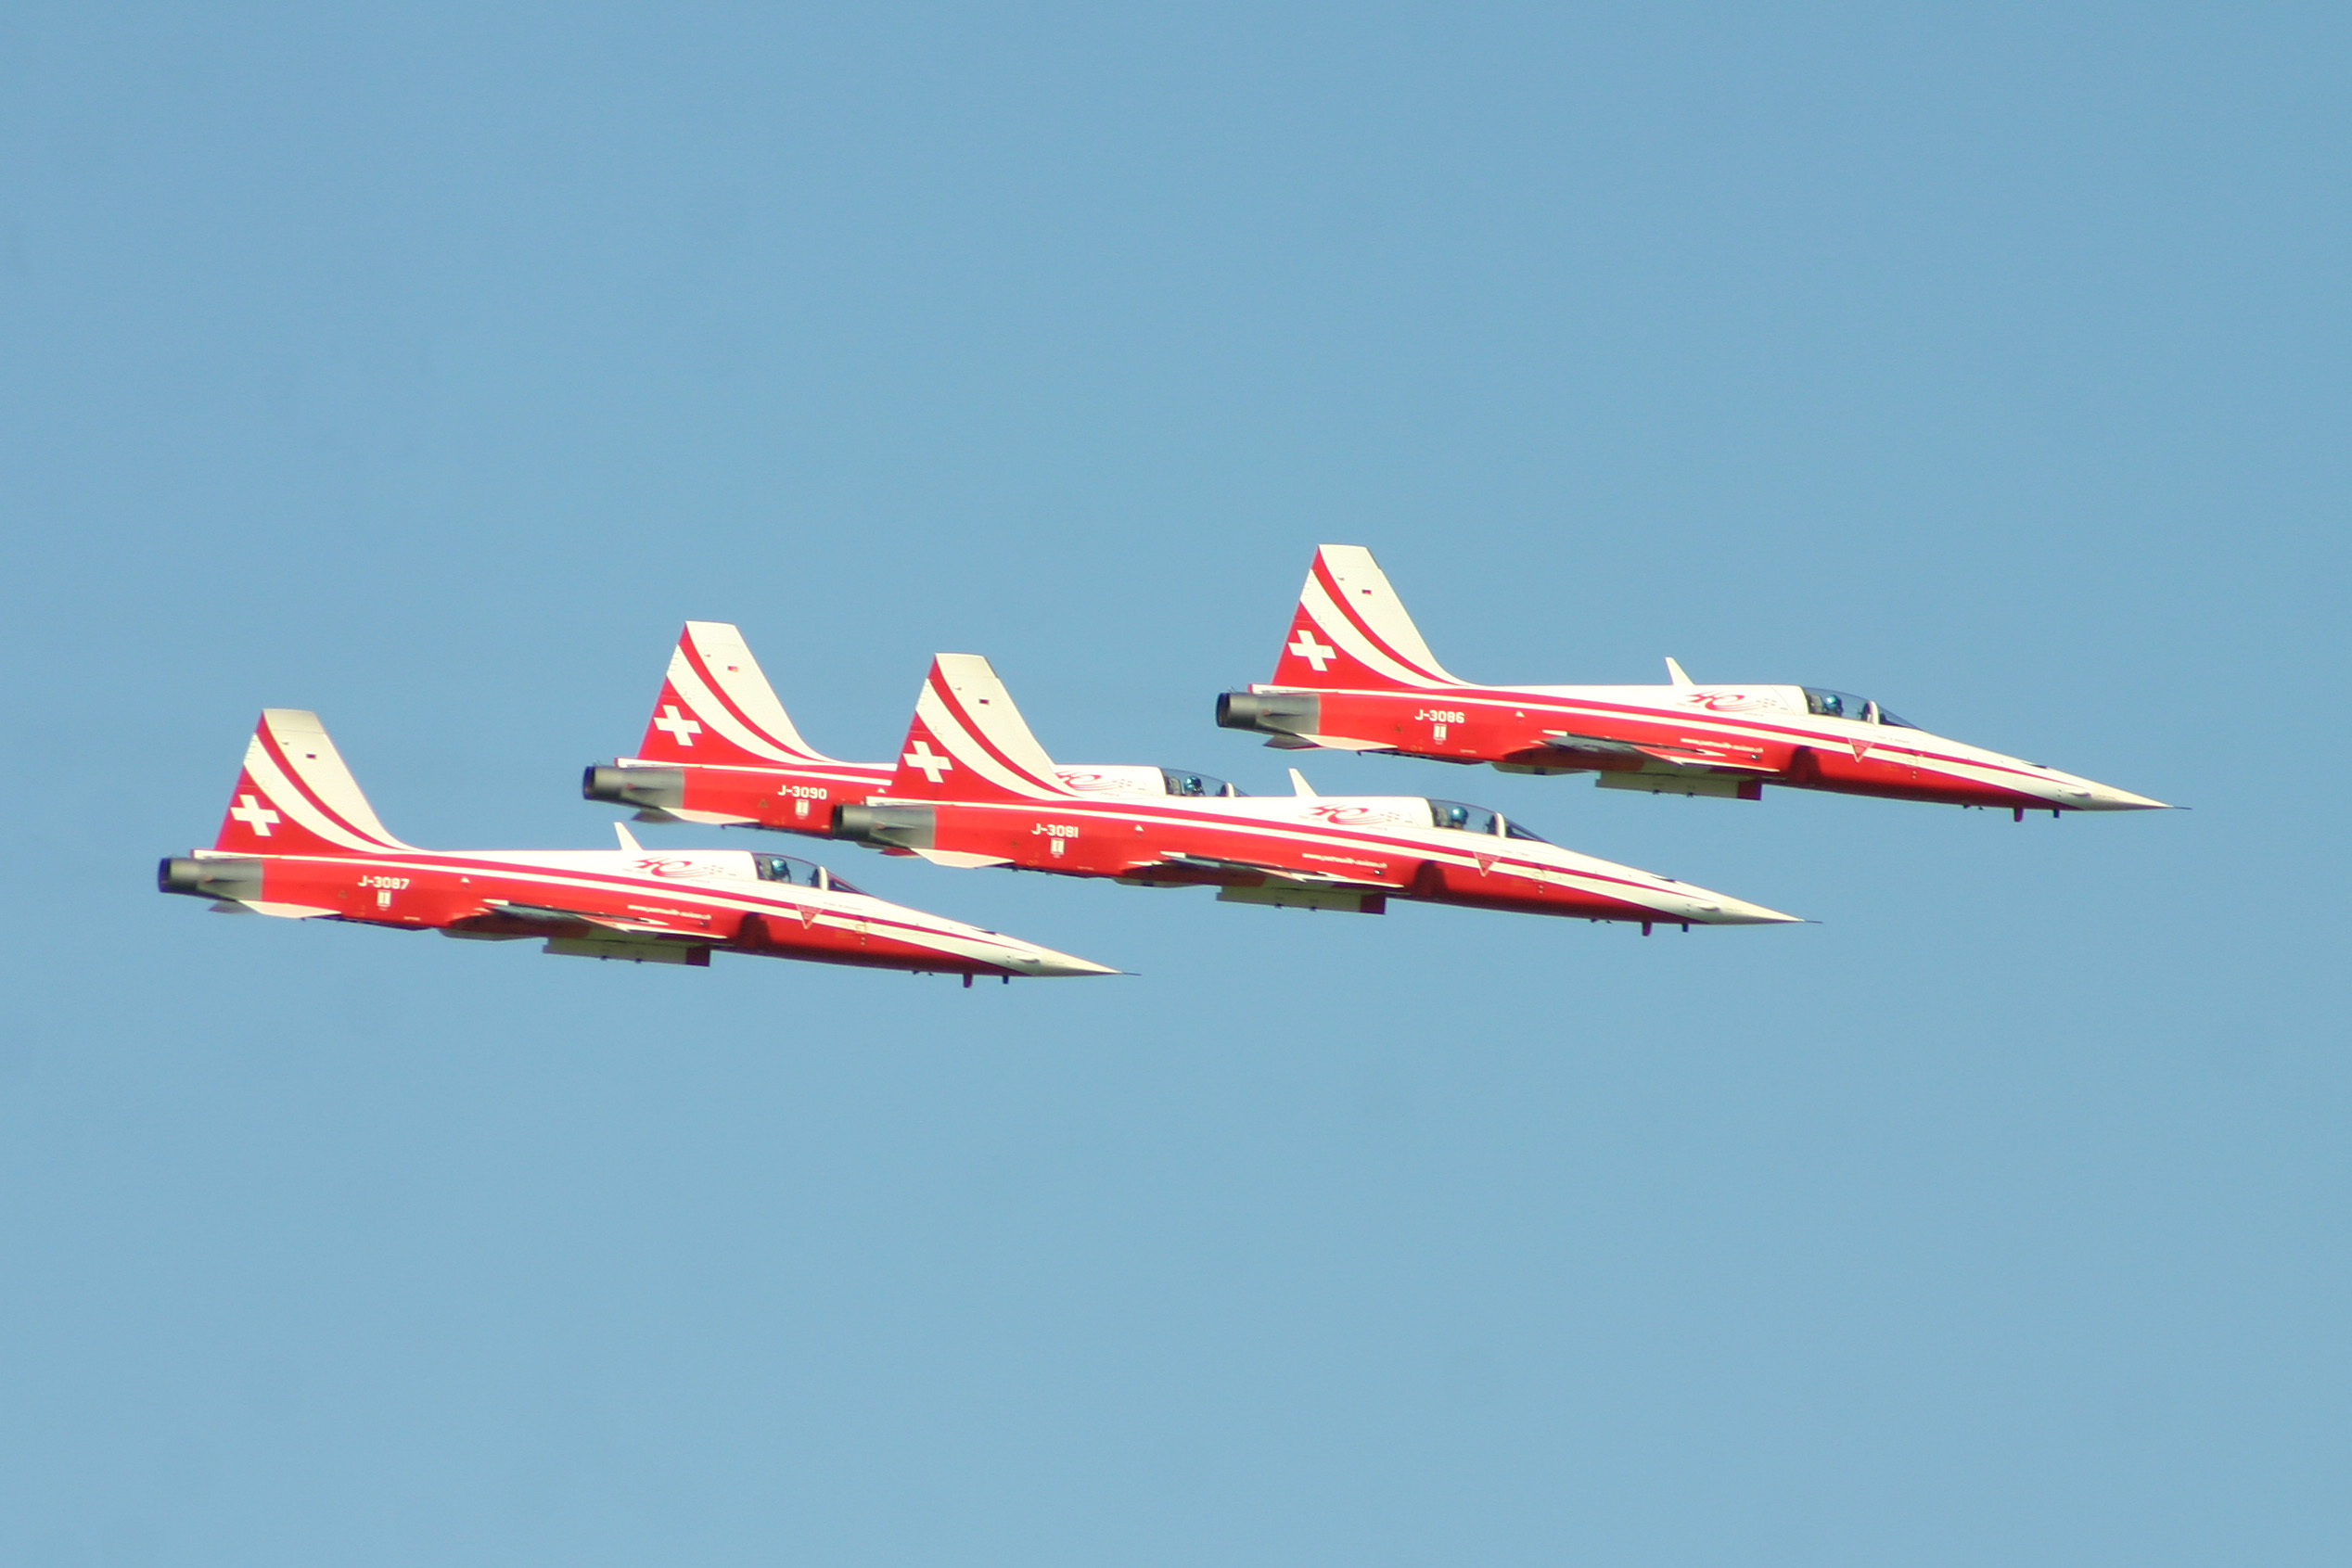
[[1182, 781], [799, 873], [1846, 704], [1463, 817]]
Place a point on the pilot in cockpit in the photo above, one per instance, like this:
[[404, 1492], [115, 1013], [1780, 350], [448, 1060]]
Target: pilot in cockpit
[[1846, 704], [798, 873]]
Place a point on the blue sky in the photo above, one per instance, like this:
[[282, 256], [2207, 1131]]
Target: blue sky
[[426, 365]]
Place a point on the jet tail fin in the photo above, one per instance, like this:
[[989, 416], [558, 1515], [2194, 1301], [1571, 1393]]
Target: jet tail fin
[[1351, 630], [716, 706], [967, 741], [296, 797]]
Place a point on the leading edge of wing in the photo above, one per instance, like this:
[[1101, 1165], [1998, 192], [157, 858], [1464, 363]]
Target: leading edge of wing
[[1695, 757], [1255, 868], [606, 927]]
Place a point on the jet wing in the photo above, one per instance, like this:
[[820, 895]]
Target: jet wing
[[1277, 874], [1679, 754], [283, 912], [604, 926], [961, 858]]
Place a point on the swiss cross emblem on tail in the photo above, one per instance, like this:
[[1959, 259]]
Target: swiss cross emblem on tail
[[923, 760], [258, 820], [692, 724], [681, 729], [1315, 653], [1351, 631], [254, 814]]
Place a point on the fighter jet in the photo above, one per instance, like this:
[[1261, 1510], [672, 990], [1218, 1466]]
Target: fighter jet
[[300, 841], [1355, 674], [973, 787]]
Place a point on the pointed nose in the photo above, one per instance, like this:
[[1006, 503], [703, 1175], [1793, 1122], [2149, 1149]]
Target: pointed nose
[[2069, 793], [1738, 912], [1715, 908], [2104, 799], [1045, 963]]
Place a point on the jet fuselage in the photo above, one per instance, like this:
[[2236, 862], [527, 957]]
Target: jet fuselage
[[1355, 673], [300, 841], [1689, 740], [606, 903], [1320, 851]]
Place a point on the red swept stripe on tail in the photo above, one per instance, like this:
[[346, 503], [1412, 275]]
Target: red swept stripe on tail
[[295, 796], [967, 741], [716, 706], [1351, 631]]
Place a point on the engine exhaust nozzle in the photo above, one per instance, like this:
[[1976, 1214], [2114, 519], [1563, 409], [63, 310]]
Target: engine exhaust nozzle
[[228, 877], [647, 788], [1276, 713], [886, 826]]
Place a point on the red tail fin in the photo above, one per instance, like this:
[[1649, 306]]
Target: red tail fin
[[1351, 630], [716, 706], [967, 741], [295, 796]]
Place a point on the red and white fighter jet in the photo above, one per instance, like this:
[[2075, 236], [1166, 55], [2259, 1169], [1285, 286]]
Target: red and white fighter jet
[[300, 841], [972, 788], [1355, 674]]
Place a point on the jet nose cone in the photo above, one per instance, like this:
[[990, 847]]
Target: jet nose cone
[[1736, 911], [1045, 963], [2103, 798], [2087, 795], [1715, 908]]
